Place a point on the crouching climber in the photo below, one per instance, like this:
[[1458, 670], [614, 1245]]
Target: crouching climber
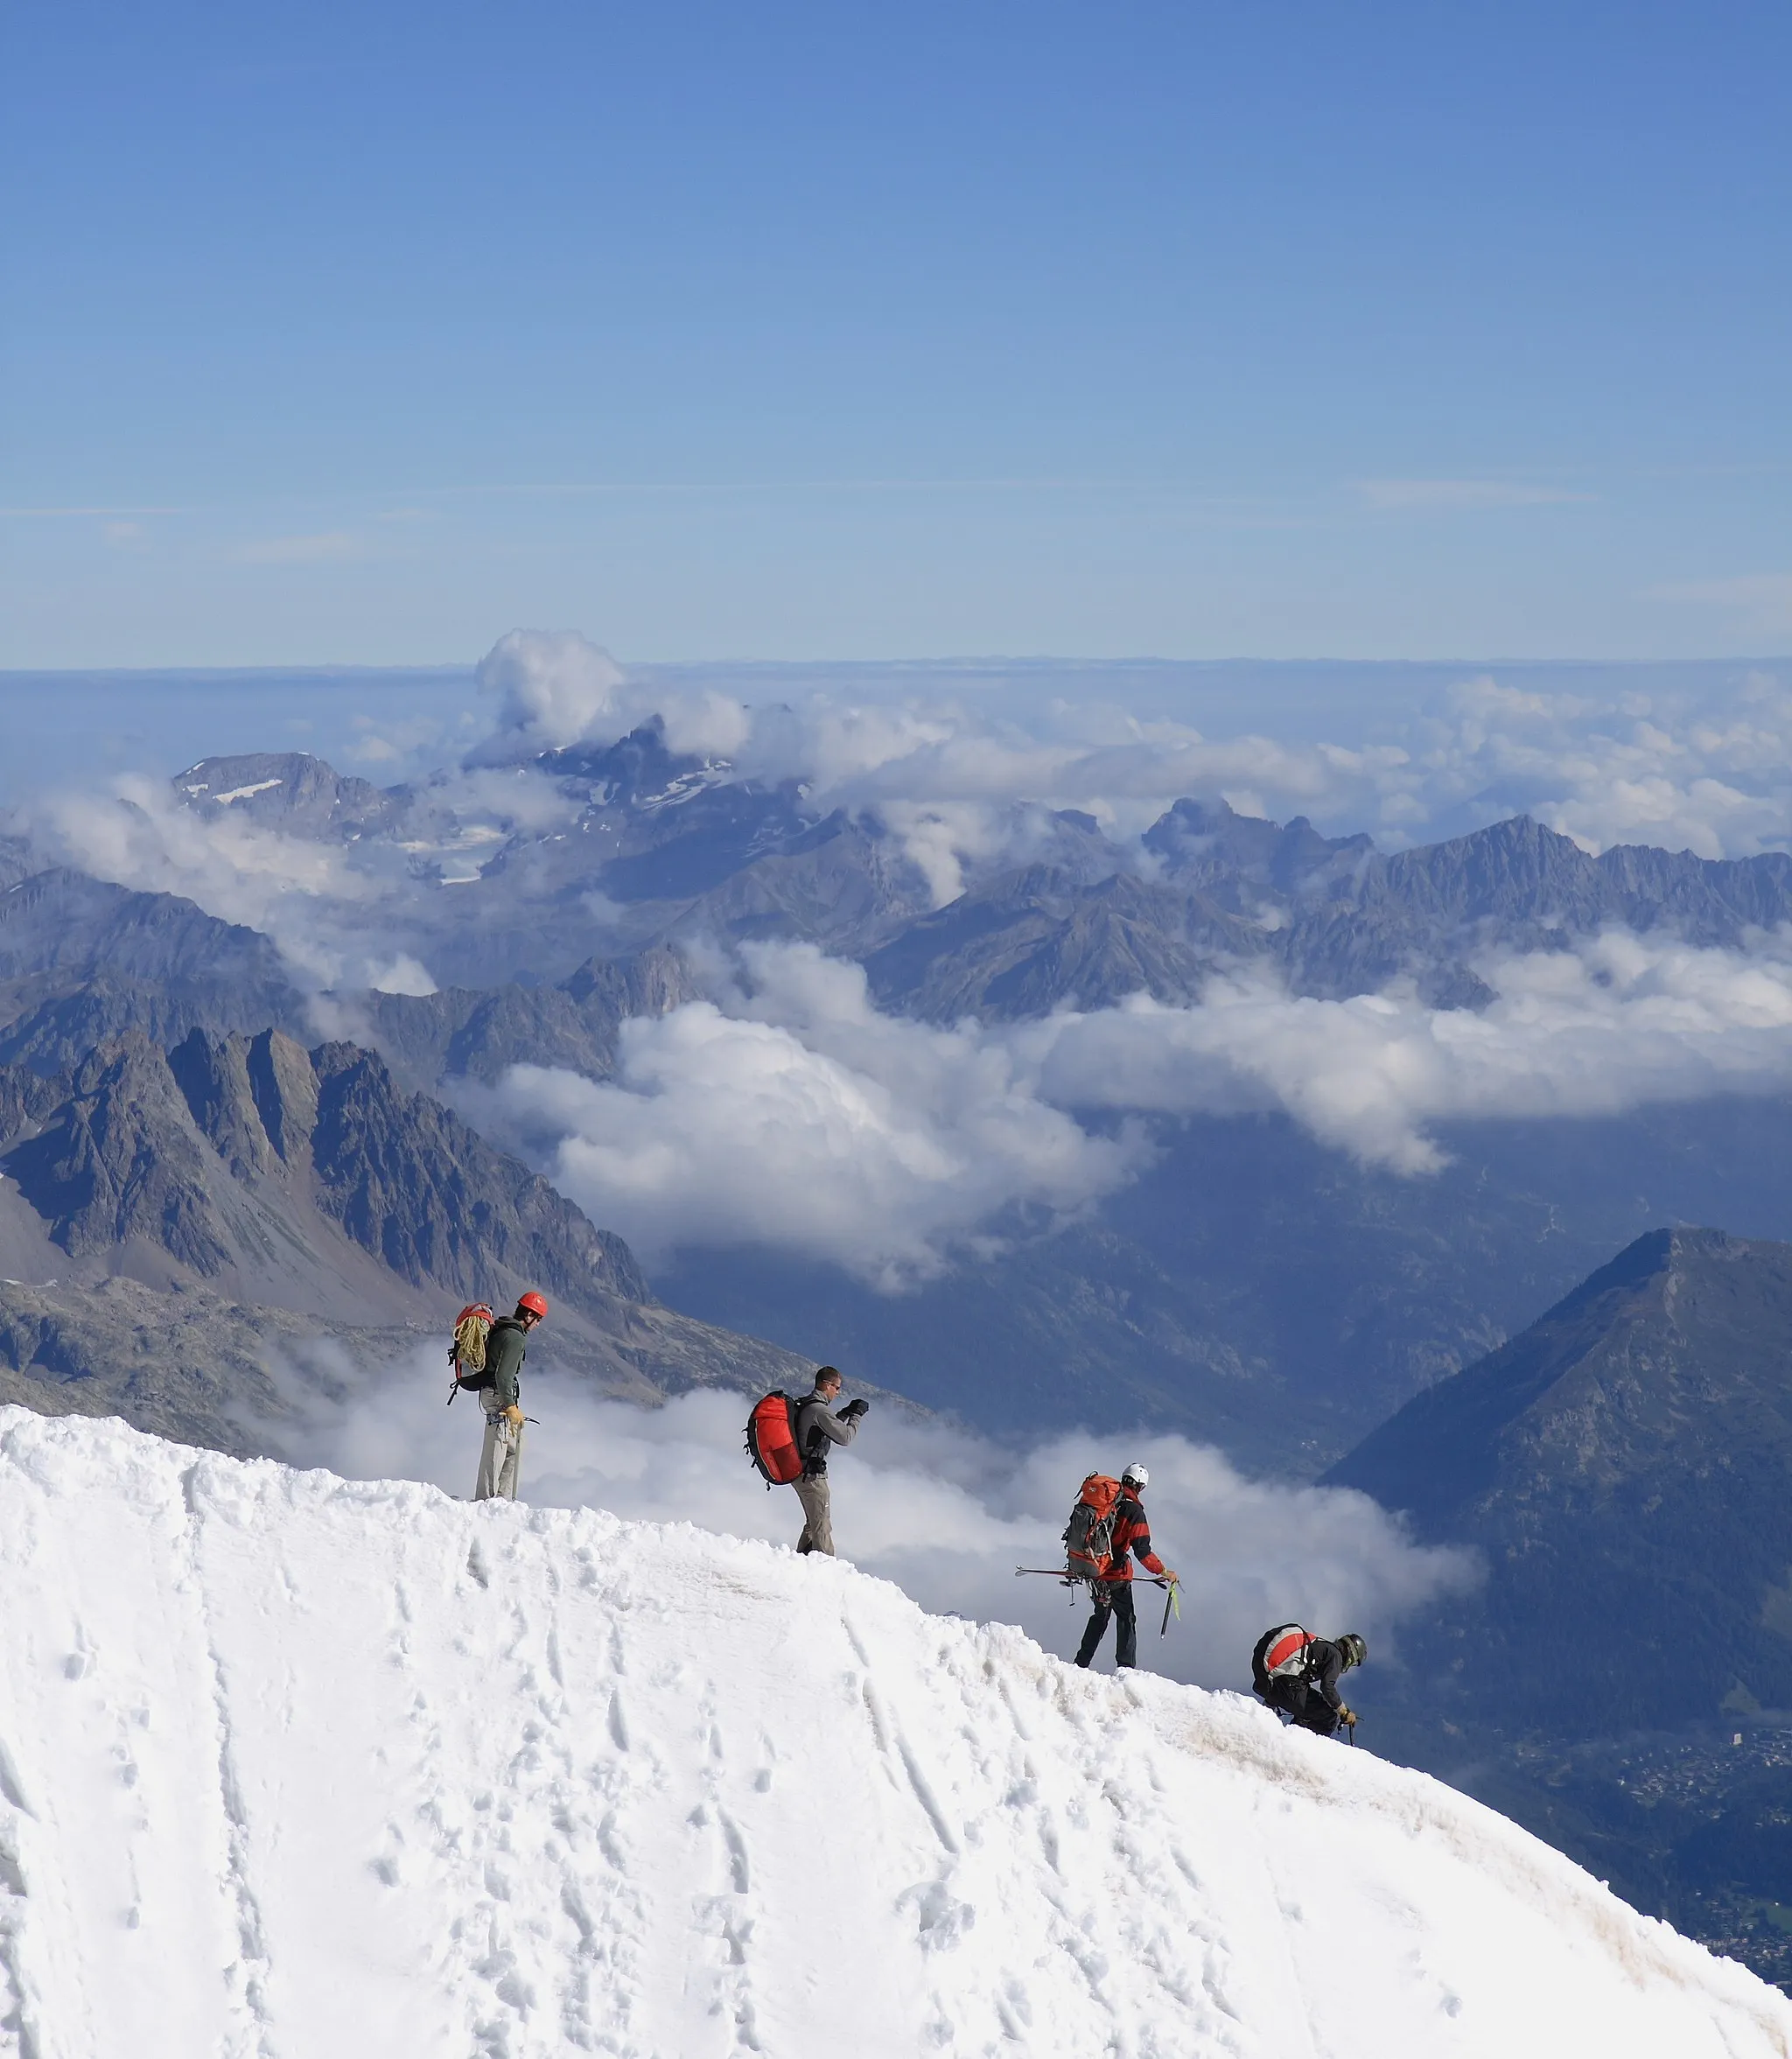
[[1298, 1674]]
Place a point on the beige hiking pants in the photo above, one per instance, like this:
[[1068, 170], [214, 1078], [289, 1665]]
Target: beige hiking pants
[[818, 1515], [499, 1459]]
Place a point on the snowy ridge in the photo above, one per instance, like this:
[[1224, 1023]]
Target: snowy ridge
[[294, 1766]]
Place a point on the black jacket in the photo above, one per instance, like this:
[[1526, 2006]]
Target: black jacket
[[1323, 1670], [1325, 1667]]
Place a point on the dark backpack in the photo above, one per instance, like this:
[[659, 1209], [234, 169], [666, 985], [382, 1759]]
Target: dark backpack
[[1089, 1535], [771, 1440]]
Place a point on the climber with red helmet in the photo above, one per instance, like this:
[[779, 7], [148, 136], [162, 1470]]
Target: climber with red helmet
[[506, 1348]]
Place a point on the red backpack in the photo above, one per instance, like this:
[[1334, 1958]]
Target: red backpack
[[771, 1440]]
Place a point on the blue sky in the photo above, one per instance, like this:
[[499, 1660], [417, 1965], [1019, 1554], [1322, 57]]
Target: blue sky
[[338, 335]]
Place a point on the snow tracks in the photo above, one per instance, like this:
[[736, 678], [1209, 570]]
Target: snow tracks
[[291, 1767]]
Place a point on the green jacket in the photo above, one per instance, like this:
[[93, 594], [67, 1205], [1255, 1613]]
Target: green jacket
[[506, 1348]]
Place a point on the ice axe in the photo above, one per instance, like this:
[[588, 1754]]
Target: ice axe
[[1171, 1600]]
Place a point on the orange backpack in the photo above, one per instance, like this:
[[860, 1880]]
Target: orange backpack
[[1088, 1537]]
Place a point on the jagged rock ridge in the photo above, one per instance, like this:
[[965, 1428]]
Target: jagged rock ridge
[[243, 1189], [201, 1151]]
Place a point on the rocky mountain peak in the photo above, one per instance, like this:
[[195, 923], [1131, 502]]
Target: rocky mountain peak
[[288, 790], [635, 768], [1624, 1462], [120, 1162], [1515, 869], [1205, 841], [254, 1098], [223, 1155]]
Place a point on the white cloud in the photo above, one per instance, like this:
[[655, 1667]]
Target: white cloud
[[404, 976], [955, 782], [941, 1511], [959, 779], [316, 900], [553, 687], [557, 687], [1621, 1022], [796, 1115], [803, 1118], [787, 1111]]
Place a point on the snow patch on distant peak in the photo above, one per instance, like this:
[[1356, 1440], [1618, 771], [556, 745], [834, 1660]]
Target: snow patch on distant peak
[[420, 1776], [243, 792]]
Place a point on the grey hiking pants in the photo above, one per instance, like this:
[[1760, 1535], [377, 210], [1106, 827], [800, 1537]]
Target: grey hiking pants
[[499, 1459], [818, 1515]]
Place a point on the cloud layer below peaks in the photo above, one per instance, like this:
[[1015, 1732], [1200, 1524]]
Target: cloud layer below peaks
[[786, 1111], [790, 1113]]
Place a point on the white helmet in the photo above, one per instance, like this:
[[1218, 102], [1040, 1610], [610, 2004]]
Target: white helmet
[[1136, 1476]]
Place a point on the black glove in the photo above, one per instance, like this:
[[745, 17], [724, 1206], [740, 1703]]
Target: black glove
[[854, 1410]]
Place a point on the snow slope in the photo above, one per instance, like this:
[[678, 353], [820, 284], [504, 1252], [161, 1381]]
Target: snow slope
[[298, 1766]]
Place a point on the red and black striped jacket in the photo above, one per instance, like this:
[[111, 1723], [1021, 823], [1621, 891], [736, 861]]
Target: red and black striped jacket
[[1132, 1538]]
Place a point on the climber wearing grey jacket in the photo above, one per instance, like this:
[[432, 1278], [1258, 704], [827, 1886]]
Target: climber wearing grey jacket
[[817, 1426], [500, 1461]]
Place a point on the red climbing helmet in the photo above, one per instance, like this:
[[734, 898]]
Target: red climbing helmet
[[534, 1303]]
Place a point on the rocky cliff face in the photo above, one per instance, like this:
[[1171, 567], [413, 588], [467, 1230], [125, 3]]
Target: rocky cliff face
[[471, 1033], [290, 791], [410, 1183], [185, 1220], [216, 1154], [82, 960], [120, 1162]]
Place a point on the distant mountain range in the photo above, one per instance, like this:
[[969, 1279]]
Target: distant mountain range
[[1252, 1286], [678, 849], [650, 850]]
